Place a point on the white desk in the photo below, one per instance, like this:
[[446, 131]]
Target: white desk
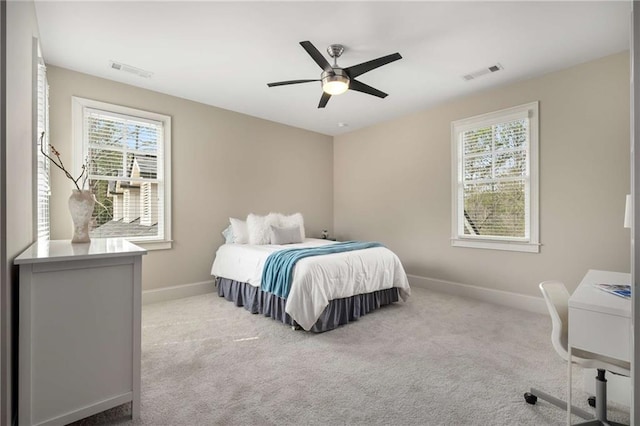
[[600, 322]]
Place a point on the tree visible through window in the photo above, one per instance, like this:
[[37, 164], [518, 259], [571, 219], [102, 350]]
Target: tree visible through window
[[126, 150], [495, 180]]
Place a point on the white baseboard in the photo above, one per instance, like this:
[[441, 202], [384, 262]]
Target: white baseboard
[[177, 292], [513, 300]]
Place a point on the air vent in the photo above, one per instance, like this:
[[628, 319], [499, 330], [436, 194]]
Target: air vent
[[131, 70], [483, 71]]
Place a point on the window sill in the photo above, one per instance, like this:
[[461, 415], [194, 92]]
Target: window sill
[[153, 245], [497, 245]]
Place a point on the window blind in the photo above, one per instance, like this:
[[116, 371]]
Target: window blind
[[125, 158], [495, 181], [42, 163]]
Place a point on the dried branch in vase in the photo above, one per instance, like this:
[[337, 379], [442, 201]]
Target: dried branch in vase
[[84, 175]]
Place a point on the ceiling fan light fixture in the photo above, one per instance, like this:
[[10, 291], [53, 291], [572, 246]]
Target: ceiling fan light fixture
[[335, 83], [336, 87]]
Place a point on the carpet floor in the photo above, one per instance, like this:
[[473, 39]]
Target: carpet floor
[[435, 360]]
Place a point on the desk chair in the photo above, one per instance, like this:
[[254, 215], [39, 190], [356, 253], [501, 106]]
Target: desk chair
[[556, 297]]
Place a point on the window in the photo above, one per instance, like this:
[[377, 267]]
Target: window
[[128, 156], [43, 191], [495, 180]]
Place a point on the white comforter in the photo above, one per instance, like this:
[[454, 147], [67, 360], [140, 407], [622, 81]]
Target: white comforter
[[317, 279]]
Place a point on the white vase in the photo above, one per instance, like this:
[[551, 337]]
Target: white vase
[[81, 205]]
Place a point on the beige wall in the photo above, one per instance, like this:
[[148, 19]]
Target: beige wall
[[390, 182], [393, 182], [22, 27], [224, 164]]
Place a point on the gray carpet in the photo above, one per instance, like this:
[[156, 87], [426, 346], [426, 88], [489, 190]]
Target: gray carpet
[[435, 360]]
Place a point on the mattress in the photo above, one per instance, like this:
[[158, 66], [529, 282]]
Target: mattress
[[316, 280]]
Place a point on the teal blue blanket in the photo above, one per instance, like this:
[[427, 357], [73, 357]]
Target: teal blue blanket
[[278, 268]]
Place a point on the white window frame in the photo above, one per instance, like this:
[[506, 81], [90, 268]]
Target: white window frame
[[531, 243], [41, 165], [80, 150]]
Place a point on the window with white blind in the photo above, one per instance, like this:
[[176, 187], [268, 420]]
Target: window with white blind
[[43, 191], [495, 180], [127, 152]]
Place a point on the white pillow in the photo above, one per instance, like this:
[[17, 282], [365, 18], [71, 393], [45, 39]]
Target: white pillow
[[240, 231], [295, 219], [228, 235], [260, 227], [285, 235]]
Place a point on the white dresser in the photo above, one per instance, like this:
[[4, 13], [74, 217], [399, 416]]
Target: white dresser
[[79, 329]]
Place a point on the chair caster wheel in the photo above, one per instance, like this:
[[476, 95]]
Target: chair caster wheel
[[530, 398], [592, 401]]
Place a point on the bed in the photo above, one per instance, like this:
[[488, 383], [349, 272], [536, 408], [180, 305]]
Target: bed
[[326, 291]]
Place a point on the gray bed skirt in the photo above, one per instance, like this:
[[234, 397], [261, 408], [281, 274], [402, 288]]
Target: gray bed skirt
[[337, 313]]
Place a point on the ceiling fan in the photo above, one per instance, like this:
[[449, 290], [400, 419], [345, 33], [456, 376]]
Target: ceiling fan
[[336, 80]]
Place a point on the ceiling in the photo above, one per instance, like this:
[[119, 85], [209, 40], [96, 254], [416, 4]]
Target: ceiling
[[225, 53]]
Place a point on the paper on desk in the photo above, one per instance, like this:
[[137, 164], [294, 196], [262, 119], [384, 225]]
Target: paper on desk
[[621, 290]]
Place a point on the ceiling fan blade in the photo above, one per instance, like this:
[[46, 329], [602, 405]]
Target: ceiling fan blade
[[316, 55], [365, 88], [324, 99], [360, 69], [282, 83]]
